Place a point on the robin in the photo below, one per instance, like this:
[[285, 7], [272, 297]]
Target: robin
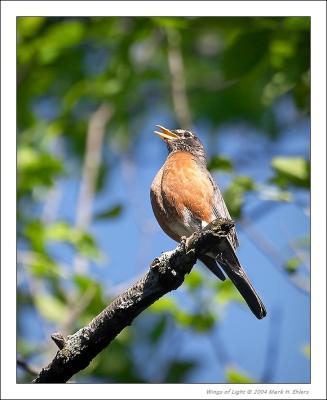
[[185, 199]]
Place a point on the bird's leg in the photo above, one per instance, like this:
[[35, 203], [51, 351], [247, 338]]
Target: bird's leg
[[220, 226]]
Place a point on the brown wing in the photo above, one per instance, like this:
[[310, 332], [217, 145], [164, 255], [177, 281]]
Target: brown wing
[[220, 209]]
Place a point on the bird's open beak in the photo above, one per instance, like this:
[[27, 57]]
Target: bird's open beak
[[165, 133]]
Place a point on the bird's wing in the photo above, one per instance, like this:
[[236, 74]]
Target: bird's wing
[[220, 209]]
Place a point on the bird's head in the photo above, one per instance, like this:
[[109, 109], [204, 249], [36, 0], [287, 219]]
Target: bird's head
[[182, 140]]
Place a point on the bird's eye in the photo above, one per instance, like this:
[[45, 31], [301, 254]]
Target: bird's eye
[[187, 134]]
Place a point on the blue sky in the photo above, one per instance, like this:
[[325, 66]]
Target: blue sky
[[130, 242]]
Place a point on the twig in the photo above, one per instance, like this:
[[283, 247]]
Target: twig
[[272, 254], [273, 345], [25, 366], [90, 172], [77, 310], [178, 86], [166, 273]]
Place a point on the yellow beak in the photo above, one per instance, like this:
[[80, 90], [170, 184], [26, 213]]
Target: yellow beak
[[165, 133]]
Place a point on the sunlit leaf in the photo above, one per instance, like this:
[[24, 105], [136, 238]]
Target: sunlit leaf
[[292, 265], [193, 280], [291, 171], [306, 350], [28, 26], [227, 292], [50, 307], [234, 194], [234, 375]]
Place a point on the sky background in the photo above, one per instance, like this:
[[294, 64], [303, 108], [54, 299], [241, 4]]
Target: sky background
[[130, 242]]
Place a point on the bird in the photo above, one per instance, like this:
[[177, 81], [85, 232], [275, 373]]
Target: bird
[[185, 198]]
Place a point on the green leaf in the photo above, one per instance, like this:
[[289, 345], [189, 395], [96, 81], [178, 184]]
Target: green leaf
[[36, 168], [163, 304], [178, 371], [28, 26], [227, 292], [291, 171], [158, 329], [233, 375], [59, 36], [248, 49], [193, 280], [83, 241], [112, 212], [199, 322], [292, 265], [220, 163], [50, 307], [43, 267], [234, 194], [306, 350]]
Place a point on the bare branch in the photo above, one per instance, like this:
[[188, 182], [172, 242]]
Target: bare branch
[[25, 366], [166, 273], [178, 85], [90, 172]]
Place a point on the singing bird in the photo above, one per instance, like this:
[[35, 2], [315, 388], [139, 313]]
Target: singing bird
[[185, 199]]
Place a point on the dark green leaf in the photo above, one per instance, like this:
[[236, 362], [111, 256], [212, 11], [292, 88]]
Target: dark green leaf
[[220, 163], [112, 212], [179, 370], [158, 329]]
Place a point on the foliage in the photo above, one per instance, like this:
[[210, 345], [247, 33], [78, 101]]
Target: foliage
[[236, 69]]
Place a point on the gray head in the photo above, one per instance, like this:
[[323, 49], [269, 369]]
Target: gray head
[[182, 140]]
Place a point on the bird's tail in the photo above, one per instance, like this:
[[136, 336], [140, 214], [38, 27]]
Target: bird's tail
[[227, 259], [213, 266]]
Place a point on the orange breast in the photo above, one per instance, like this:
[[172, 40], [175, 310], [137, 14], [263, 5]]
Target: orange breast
[[185, 185]]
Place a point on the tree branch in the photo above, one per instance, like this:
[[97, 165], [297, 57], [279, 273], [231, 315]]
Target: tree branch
[[166, 273]]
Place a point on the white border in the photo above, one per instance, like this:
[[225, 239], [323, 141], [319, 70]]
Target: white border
[[317, 11]]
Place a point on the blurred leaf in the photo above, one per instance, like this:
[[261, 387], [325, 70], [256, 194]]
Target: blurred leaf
[[112, 212], [234, 194], [50, 307], [158, 329], [199, 322], [35, 168], [220, 163], [34, 232], [272, 193], [245, 52], [170, 22], [59, 36], [306, 350], [233, 375], [83, 241], [291, 171], [227, 292], [194, 280], [42, 266], [178, 371], [28, 26], [292, 265], [302, 242]]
